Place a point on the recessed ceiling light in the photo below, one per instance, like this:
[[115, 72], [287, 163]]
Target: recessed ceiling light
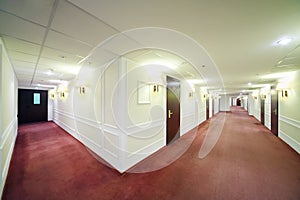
[[249, 83], [284, 41]]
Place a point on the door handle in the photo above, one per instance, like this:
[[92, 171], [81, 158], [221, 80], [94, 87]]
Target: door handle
[[275, 111], [169, 114]]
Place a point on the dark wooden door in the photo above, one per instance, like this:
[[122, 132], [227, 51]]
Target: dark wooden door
[[32, 106], [262, 111], [238, 102], [274, 111], [207, 108], [173, 109]]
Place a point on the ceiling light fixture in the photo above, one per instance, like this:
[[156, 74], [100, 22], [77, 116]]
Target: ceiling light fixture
[[249, 84], [284, 41]]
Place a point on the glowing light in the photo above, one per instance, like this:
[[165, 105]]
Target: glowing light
[[284, 41]]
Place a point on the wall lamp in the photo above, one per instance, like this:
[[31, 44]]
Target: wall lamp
[[284, 93], [155, 88], [52, 96], [82, 89]]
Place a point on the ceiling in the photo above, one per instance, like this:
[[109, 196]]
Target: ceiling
[[48, 39]]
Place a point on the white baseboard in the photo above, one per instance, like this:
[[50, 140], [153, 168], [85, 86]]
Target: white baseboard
[[7, 162], [290, 141]]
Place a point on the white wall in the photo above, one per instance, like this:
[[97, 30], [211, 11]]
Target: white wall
[[289, 115], [108, 118], [8, 110], [254, 105], [216, 105], [268, 111], [225, 102]]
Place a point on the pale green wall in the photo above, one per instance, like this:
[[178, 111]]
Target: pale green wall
[[289, 112], [8, 108]]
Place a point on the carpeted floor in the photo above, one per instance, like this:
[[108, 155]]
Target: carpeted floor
[[247, 162]]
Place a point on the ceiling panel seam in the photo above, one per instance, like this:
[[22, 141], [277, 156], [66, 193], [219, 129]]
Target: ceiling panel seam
[[54, 7], [104, 22], [22, 18]]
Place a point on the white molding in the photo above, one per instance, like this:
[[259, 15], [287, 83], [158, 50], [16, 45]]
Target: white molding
[[290, 121], [188, 115], [290, 141], [64, 125], [7, 162], [139, 151], [110, 126], [7, 131], [88, 122], [110, 153], [144, 124], [90, 141], [110, 130], [134, 129], [66, 114]]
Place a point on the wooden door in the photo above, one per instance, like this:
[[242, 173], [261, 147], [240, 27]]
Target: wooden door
[[173, 109], [262, 111], [238, 102], [274, 111], [207, 108], [32, 106]]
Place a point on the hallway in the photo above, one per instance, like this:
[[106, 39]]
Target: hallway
[[248, 162]]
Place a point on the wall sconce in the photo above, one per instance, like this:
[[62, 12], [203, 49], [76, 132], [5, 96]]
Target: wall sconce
[[82, 89], [205, 96], [264, 96], [255, 97], [284, 93], [62, 95], [52, 96], [155, 88]]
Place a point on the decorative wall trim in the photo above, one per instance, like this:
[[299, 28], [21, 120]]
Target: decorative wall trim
[[290, 121], [134, 129], [110, 126], [143, 150], [6, 132], [290, 141], [64, 125], [89, 122], [185, 115], [66, 114], [7, 161], [113, 131], [111, 153], [94, 145]]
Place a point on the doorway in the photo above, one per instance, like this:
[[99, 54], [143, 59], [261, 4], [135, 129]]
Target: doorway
[[32, 106], [262, 111], [173, 109], [238, 102], [274, 111], [207, 108]]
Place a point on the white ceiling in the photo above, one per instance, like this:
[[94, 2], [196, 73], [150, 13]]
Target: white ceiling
[[46, 39]]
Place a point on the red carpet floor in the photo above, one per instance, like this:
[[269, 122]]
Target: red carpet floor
[[248, 162]]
